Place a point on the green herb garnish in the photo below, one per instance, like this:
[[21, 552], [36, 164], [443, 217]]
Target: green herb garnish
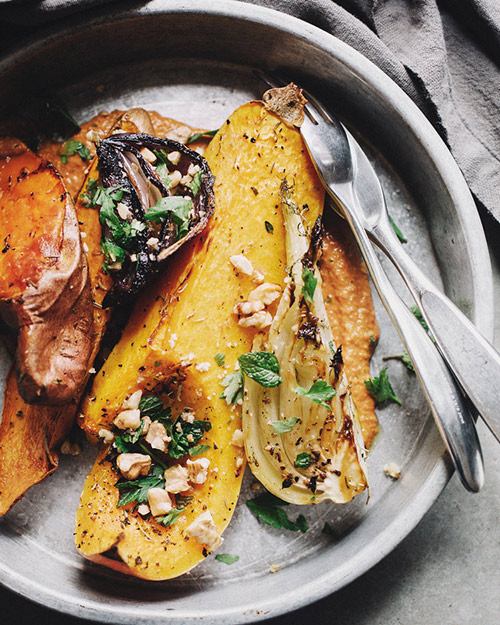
[[381, 389], [201, 135], [262, 367], [303, 460], [113, 252], [179, 446], [137, 490], [219, 359], [320, 392], [169, 519], [72, 147], [195, 183], [310, 282], [198, 449], [284, 425], [233, 383], [162, 171], [405, 359], [398, 232], [269, 509], [227, 558], [175, 206]]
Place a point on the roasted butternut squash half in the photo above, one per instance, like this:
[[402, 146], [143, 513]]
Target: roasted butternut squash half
[[166, 353]]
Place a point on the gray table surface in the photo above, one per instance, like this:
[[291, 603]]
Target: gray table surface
[[445, 572]]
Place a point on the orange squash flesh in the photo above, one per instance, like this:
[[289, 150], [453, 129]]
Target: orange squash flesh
[[172, 339]]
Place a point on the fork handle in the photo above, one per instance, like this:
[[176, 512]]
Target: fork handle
[[473, 360], [445, 399]]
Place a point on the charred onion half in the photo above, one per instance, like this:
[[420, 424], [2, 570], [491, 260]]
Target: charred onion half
[[156, 194]]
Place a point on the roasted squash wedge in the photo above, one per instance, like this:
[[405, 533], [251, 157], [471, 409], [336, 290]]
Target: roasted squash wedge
[[177, 328]]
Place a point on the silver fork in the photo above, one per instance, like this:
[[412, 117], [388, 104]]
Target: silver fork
[[330, 151]]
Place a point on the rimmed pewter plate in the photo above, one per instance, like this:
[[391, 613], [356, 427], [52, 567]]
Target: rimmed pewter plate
[[195, 63]]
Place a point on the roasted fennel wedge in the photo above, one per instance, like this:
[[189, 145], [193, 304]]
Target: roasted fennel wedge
[[303, 436]]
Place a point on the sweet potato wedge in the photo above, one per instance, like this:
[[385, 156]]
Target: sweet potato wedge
[[186, 318], [44, 284]]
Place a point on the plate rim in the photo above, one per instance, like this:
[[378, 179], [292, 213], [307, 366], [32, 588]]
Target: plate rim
[[466, 211]]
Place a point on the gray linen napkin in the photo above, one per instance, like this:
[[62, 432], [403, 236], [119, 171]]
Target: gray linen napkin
[[445, 54]]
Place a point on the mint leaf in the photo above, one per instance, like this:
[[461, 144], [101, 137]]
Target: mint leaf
[[398, 232], [227, 558], [180, 445], [320, 392], [170, 518], [151, 406], [269, 509], [381, 389], [233, 383], [219, 359], [303, 460], [195, 183], [263, 367], [284, 425], [200, 135], [310, 282]]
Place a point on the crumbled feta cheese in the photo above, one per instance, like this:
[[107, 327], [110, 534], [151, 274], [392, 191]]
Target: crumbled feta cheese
[[159, 501], [239, 462], [152, 242], [187, 415], [193, 169], [157, 436], [176, 479], [92, 371], [148, 155], [85, 247], [128, 419], [133, 258], [198, 470], [185, 180], [392, 470], [204, 531], [172, 340], [106, 435], [175, 177], [133, 465], [242, 264], [132, 402], [83, 235], [237, 439], [203, 366]]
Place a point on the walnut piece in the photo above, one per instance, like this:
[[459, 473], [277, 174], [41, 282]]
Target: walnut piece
[[259, 320], [159, 501], [176, 479], [157, 436], [198, 470], [128, 419], [204, 531], [133, 465]]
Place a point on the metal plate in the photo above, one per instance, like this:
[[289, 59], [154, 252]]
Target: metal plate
[[195, 64]]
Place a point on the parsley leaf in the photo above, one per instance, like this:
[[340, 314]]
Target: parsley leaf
[[310, 282], [381, 389], [233, 383], [405, 359], [269, 509], [320, 392], [171, 518], [162, 171], [227, 558], [179, 446], [113, 252], [284, 425], [179, 209], [398, 232], [263, 367], [72, 147], [126, 441], [416, 311], [303, 460], [219, 359], [195, 183], [137, 490], [200, 135]]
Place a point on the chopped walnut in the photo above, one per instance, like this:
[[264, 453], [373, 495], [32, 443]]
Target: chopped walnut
[[148, 155], [198, 470], [159, 501], [128, 419], [248, 308], [266, 293], [204, 531], [143, 509], [392, 470], [259, 320], [175, 178], [237, 440], [242, 264], [176, 479], [106, 435], [133, 465], [157, 436], [132, 402]]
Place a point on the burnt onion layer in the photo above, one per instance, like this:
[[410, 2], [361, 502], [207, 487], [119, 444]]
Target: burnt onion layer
[[132, 165]]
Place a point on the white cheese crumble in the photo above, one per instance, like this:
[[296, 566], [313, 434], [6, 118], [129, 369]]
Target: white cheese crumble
[[172, 340], [242, 264], [203, 366], [237, 439], [204, 531]]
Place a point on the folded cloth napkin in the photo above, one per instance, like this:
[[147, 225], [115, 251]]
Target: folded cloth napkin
[[445, 54]]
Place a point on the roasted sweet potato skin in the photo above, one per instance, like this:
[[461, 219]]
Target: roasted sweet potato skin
[[45, 287]]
